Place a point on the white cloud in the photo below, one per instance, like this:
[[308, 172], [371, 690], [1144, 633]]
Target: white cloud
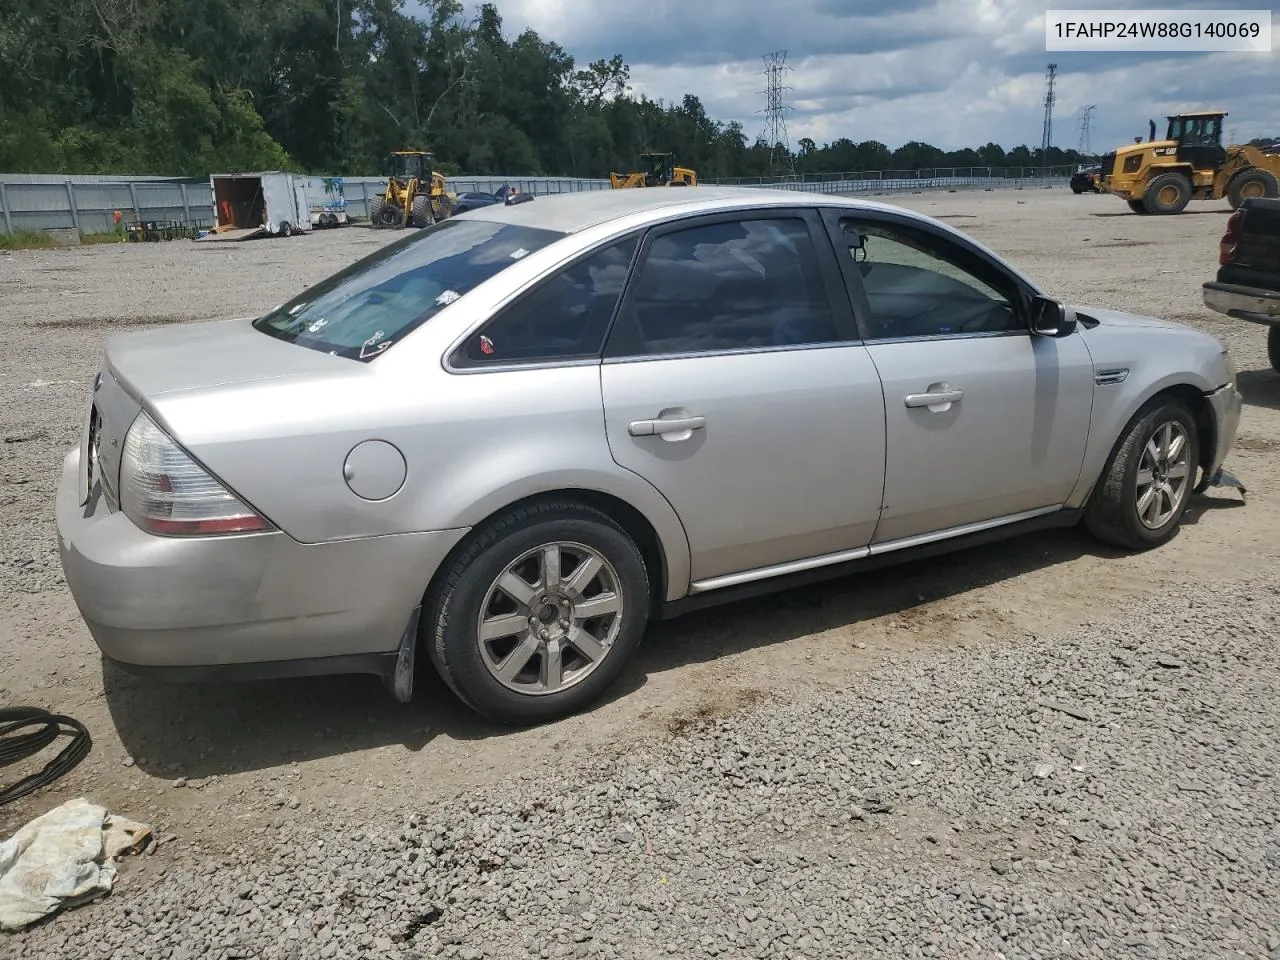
[[949, 72]]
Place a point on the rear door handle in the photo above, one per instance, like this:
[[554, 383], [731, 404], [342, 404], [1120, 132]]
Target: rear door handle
[[664, 425], [936, 399]]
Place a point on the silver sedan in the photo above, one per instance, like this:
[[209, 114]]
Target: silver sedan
[[507, 441]]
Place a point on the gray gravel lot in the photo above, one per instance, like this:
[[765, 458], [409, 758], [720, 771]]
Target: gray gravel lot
[[1107, 792], [752, 787]]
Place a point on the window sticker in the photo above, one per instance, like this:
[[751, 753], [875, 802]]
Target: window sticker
[[374, 345]]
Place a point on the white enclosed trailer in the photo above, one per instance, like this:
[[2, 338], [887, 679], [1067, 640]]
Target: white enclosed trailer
[[326, 201], [247, 205]]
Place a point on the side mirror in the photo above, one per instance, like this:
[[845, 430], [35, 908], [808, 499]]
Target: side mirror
[[1049, 318]]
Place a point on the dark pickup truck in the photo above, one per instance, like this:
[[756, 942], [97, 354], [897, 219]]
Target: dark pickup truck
[[1248, 283]]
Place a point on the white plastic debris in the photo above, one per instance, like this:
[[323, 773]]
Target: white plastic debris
[[61, 859]]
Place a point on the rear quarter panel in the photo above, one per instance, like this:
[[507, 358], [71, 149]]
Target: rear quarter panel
[[472, 445]]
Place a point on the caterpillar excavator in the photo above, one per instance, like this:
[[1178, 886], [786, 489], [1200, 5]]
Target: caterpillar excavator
[[1163, 176], [415, 196], [660, 171]]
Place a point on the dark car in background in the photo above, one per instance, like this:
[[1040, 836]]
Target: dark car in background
[[476, 200], [1085, 180]]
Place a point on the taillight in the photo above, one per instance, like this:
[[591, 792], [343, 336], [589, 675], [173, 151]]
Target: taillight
[[164, 491], [1227, 246]]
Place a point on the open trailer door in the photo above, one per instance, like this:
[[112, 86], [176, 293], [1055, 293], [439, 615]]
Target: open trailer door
[[239, 207], [301, 205]]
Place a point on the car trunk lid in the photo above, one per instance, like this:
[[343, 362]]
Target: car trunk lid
[[140, 366]]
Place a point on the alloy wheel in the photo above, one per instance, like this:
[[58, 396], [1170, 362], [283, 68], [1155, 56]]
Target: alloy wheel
[[550, 619], [1164, 474]]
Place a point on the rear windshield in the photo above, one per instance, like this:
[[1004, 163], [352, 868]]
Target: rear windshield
[[362, 310]]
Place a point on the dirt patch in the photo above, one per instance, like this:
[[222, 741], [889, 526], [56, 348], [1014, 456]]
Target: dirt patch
[[714, 705], [105, 323], [1252, 444]]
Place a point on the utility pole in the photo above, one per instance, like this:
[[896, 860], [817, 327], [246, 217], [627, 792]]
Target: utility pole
[[1086, 114], [775, 111], [1046, 137]]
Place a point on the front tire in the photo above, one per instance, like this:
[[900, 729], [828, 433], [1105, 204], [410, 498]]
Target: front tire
[[1147, 482], [375, 211], [420, 212], [539, 613]]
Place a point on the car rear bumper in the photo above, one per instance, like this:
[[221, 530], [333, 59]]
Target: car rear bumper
[[1243, 303], [1226, 404], [238, 602]]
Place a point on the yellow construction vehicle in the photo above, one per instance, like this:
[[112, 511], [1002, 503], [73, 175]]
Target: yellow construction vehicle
[[415, 196], [1163, 176], [660, 171]]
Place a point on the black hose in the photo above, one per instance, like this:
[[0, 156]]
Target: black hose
[[15, 746]]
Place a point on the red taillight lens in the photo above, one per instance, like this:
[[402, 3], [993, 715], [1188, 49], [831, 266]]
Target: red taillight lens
[[1227, 246], [164, 491]]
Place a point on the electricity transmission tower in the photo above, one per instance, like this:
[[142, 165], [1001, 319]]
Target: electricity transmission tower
[[775, 111], [1086, 114], [1046, 138]]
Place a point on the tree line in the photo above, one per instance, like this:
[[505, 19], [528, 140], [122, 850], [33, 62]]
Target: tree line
[[189, 87]]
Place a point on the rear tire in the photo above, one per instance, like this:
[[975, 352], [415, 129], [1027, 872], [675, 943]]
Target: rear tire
[[1147, 482], [1251, 183], [1167, 193], [1273, 346], [539, 625], [1136, 206]]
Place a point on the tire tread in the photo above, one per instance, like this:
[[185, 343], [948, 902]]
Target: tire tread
[[1105, 514]]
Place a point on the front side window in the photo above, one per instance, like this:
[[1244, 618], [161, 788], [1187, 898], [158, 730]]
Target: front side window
[[731, 285], [363, 310], [916, 286], [564, 318]]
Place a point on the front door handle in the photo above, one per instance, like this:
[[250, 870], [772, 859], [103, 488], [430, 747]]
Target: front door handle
[[665, 425], [938, 398]]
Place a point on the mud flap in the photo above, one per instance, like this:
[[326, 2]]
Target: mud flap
[[400, 680], [1222, 478]]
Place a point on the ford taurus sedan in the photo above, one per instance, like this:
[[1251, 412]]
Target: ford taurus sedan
[[509, 440]]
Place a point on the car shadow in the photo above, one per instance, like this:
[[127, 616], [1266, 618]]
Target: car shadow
[[199, 730], [1260, 388]]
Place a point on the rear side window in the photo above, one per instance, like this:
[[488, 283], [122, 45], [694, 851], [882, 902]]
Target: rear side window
[[730, 285], [363, 310], [564, 318]]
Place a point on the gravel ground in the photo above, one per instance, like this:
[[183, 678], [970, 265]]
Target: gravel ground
[[1109, 792], [751, 782]]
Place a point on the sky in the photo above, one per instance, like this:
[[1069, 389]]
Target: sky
[[953, 73]]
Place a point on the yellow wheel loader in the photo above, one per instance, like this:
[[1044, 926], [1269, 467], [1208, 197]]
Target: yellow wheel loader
[[1190, 163], [415, 196], [660, 171]]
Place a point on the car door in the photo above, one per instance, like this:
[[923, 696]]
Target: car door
[[984, 421], [734, 384]]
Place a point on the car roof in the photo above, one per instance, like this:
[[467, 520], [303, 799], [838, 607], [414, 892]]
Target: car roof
[[571, 212]]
